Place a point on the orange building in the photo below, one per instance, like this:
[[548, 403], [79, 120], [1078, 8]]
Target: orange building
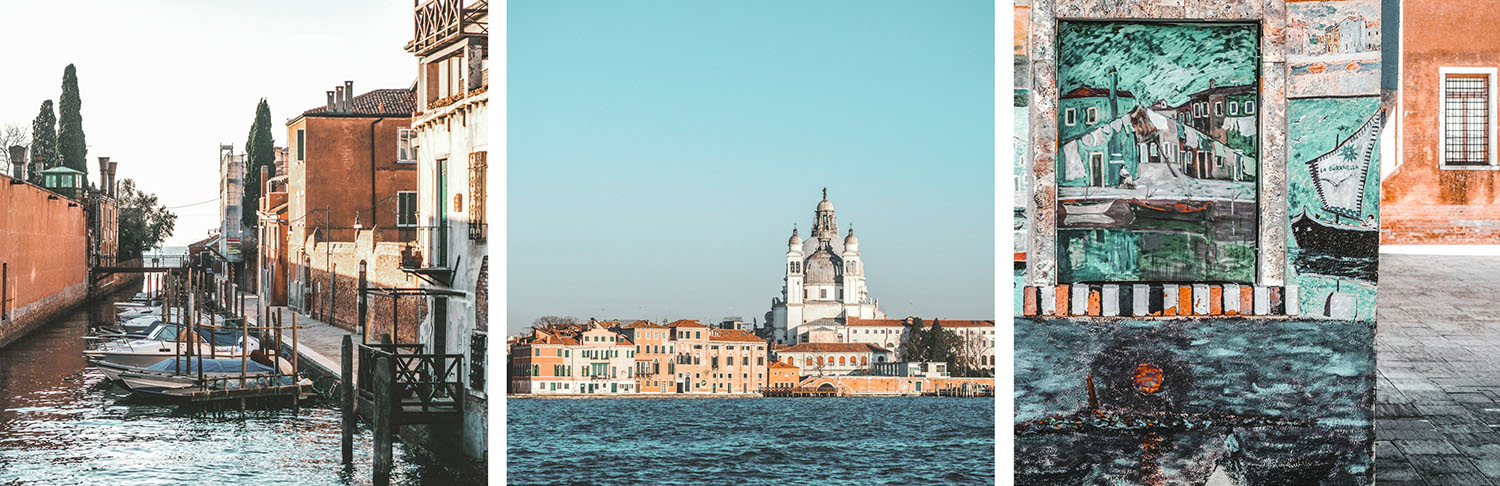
[[351, 208], [1444, 187], [653, 356], [781, 375], [539, 364]]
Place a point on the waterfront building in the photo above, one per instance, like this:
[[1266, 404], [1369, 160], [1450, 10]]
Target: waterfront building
[[923, 369], [654, 369], [834, 359], [602, 362], [541, 362], [350, 187], [736, 361], [449, 141], [104, 218], [976, 348], [690, 361], [825, 279], [781, 375]]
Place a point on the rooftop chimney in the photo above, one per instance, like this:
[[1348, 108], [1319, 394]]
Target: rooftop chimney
[[104, 175], [348, 96], [330, 102], [18, 161], [265, 186], [114, 168], [338, 99]]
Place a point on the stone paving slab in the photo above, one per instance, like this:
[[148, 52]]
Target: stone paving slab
[[1437, 342], [319, 344]]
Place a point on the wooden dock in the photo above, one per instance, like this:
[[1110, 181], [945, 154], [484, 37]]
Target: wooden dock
[[798, 392]]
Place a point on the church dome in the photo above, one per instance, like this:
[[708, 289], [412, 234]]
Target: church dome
[[825, 204], [794, 242], [822, 267], [851, 243]]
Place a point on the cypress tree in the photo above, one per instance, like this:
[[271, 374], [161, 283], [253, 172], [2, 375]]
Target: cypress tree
[[43, 143], [70, 141], [938, 350], [259, 152]]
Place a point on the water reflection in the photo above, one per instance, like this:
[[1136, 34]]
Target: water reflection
[[1144, 241], [61, 422]]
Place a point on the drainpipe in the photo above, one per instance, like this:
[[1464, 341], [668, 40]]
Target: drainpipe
[[372, 170]]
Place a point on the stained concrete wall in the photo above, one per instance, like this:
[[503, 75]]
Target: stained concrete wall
[[335, 268], [44, 249]]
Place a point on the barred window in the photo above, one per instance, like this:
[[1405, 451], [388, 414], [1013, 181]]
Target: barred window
[[1467, 107]]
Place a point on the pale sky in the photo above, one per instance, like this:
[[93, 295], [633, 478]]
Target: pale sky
[[164, 82]]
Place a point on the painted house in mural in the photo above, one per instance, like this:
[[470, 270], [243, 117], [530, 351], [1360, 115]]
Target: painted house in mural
[[1443, 185]]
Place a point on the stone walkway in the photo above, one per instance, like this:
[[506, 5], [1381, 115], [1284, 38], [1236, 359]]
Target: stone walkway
[[1437, 345], [319, 343]]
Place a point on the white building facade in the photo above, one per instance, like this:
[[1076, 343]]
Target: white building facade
[[825, 279], [450, 137]]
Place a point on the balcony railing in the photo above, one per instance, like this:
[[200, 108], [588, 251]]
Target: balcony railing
[[438, 22]]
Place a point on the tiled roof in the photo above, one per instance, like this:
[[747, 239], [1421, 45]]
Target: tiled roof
[[622, 341], [643, 325], [735, 335], [685, 323], [381, 102], [778, 364], [834, 348], [855, 321], [543, 337]]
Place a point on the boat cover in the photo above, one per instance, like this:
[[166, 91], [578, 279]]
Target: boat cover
[[210, 365]]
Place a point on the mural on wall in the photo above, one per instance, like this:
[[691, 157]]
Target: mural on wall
[[1193, 401], [1158, 135], [1333, 47], [1333, 199], [1021, 168]]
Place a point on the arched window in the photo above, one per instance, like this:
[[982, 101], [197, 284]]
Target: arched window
[[820, 361], [536, 370], [809, 361], [864, 360], [841, 361]]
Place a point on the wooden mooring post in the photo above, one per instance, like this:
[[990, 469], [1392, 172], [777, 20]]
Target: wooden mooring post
[[346, 394], [382, 378]]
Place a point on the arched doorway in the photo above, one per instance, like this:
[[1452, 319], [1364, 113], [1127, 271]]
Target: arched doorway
[[827, 388]]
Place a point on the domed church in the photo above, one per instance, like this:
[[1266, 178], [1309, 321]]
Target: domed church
[[825, 281]]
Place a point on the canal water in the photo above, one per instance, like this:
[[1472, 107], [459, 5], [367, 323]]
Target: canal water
[[62, 423], [773, 441]]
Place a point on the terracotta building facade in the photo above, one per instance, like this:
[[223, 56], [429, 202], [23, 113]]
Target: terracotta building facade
[[1444, 187]]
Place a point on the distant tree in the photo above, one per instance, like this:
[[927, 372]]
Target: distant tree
[[546, 321], [968, 350], [70, 140], [259, 152], [13, 134], [917, 342], [144, 223], [43, 143], [938, 342]]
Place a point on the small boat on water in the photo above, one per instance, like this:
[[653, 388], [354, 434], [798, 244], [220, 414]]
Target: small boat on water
[[168, 341], [174, 373], [1173, 211], [1078, 207]]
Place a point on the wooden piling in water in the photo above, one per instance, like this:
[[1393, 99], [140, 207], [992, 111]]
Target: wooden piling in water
[[381, 415], [346, 394]]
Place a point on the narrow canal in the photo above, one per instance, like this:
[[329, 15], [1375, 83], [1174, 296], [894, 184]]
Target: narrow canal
[[62, 423]]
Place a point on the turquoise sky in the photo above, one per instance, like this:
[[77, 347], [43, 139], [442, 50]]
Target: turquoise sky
[[660, 152]]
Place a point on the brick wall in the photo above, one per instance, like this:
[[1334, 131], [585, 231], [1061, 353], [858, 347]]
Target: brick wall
[[340, 262]]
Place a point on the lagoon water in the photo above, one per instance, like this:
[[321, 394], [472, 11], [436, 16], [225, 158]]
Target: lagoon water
[[62, 423], [834, 441]]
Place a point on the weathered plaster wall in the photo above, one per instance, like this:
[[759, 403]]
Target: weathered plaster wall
[[1424, 203], [44, 246]]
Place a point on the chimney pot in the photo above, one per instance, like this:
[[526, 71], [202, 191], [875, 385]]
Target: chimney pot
[[348, 96], [338, 99], [330, 107]]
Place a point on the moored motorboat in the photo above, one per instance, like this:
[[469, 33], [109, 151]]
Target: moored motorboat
[[175, 373]]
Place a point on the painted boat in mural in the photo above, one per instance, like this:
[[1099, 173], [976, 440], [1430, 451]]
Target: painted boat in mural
[[1087, 207], [1339, 176], [1177, 211]]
